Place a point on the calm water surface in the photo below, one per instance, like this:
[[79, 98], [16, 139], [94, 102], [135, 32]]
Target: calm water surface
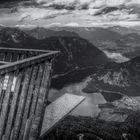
[[89, 107]]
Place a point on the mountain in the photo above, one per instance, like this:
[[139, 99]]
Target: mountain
[[131, 38], [92, 34], [113, 39], [123, 78], [124, 30], [102, 38], [42, 33], [12, 36], [75, 51]]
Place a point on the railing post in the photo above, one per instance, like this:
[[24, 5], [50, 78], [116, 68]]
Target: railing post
[[24, 87], [28, 101], [36, 125], [2, 78], [4, 56], [21, 104], [11, 57], [5, 105], [14, 105], [36, 91]]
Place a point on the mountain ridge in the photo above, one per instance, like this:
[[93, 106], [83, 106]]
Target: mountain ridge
[[75, 51]]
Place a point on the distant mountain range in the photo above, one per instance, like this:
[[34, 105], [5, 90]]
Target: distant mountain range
[[124, 41], [124, 30], [42, 33], [116, 39], [75, 51]]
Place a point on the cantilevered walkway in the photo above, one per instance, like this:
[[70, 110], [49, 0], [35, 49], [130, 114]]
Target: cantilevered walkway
[[25, 77]]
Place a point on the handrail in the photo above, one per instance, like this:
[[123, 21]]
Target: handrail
[[3, 62], [24, 86], [26, 62], [24, 50]]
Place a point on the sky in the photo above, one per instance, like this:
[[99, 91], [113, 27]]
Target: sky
[[91, 2], [74, 13]]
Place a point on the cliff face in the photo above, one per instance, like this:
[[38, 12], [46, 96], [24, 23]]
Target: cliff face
[[122, 78]]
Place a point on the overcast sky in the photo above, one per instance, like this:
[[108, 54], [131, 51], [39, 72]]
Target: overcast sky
[[75, 13], [91, 2]]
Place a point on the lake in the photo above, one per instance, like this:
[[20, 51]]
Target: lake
[[89, 107]]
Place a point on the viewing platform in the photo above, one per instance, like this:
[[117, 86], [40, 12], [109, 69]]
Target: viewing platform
[[25, 77]]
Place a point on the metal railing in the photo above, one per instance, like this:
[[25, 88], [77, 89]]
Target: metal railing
[[24, 83]]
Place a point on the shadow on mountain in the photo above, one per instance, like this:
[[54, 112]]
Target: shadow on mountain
[[86, 128]]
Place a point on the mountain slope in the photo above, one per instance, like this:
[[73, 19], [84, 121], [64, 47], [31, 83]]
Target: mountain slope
[[75, 52], [86, 128], [121, 78]]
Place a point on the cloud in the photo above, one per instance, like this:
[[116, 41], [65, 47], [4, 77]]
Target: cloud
[[2, 25], [54, 24], [77, 13], [81, 3], [133, 2], [26, 26], [93, 7], [117, 57], [115, 2], [39, 13], [72, 24], [72, 4], [66, 4], [116, 23]]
